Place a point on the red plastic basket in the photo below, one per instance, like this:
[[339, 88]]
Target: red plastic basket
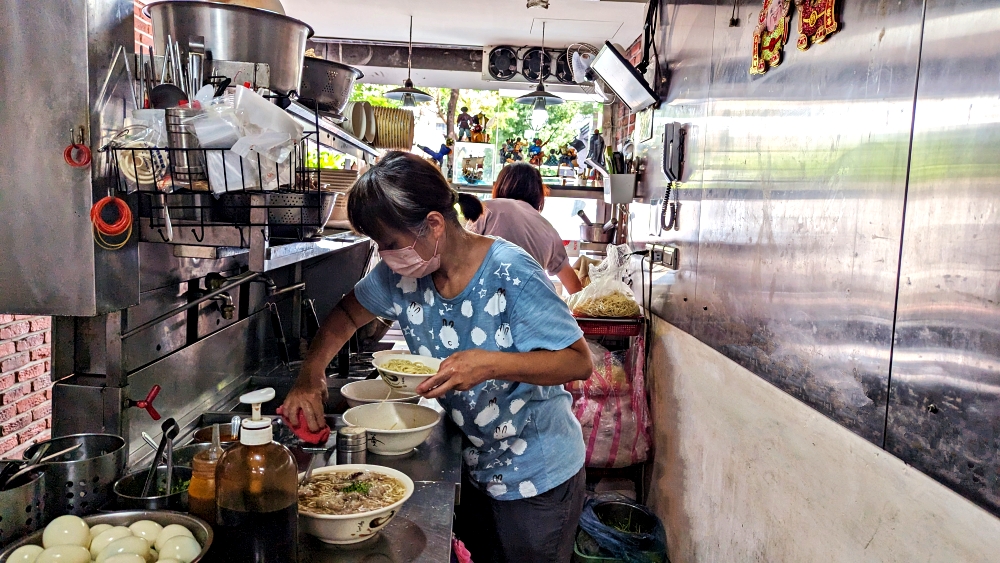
[[610, 327]]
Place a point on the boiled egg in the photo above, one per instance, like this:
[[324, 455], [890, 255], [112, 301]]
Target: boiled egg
[[128, 544], [66, 530], [25, 554], [64, 554], [146, 529], [182, 548], [125, 558], [105, 538], [99, 529], [169, 532]]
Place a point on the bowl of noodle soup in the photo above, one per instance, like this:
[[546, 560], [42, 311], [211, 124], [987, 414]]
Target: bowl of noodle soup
[[346, 504], [406, 371]]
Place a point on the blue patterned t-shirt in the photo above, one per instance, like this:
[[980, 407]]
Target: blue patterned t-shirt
[[525, 438]]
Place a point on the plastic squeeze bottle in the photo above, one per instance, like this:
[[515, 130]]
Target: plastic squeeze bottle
[[257, 493], [201, 491]]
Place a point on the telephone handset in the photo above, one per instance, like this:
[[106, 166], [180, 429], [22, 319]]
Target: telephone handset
[[672, 165]]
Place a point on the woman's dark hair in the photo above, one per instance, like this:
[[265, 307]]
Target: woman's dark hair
[[398, 193], [521, 181], [472, 208]]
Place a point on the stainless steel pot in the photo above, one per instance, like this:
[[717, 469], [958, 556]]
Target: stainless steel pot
[[327, 85], [22, 507], [595, 233], [80, 481], [128, 490], [236, 33]]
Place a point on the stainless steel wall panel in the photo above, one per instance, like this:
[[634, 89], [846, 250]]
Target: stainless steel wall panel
[[49, 262], [944, 410], [685, 50], [801, 177], [194, 379]]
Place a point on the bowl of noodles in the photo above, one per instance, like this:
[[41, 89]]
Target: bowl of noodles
[[393, 428], [345, 504], [405, 371]]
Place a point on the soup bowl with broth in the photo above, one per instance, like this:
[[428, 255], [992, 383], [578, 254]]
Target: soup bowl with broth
[[345, 504]]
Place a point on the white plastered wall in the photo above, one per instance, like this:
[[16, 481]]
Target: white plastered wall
[[745, 473]]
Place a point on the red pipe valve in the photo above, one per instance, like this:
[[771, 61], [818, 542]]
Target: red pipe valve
[[147, 403]]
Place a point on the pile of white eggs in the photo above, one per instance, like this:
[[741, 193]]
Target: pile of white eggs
[[68, 539]]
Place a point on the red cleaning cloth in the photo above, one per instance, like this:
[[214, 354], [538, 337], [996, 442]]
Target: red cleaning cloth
[[302, 431]]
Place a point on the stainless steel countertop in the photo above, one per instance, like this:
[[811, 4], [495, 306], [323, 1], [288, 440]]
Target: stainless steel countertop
[[422, 530]]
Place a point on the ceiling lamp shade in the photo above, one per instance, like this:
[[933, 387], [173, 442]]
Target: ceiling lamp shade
[[540, 99], [409, 95]]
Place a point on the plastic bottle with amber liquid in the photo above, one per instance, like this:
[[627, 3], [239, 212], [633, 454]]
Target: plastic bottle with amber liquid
[[257, 493], [201, 491]]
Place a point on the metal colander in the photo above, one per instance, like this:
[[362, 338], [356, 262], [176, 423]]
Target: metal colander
[[80, 482], [22, 507]]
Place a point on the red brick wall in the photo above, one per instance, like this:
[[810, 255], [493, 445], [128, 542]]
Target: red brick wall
[[143, 27], [25, 382]]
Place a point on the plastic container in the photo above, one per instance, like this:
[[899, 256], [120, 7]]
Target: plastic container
[[201, 491], [257, 493]]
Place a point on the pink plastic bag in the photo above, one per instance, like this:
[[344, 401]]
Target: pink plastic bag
[[612, 409]]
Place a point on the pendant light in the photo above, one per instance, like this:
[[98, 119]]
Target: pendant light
[[408, 94], [540, 99]]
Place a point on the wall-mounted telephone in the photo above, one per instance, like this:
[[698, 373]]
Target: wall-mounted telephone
[[673, 151], [674, 135]]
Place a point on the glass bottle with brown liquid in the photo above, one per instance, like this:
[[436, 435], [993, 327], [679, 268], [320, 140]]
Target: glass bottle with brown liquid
[[257, 494]]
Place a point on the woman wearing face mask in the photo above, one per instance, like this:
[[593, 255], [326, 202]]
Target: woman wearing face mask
[[510, 344], [514, 215]]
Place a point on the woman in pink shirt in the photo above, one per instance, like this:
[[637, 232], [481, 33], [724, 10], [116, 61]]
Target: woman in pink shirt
[[513, 215]]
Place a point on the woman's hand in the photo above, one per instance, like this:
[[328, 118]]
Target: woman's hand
[[308, 395], [461, 371]]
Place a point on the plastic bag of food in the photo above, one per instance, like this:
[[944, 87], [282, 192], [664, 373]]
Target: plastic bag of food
[[608, 295], [612, 409]]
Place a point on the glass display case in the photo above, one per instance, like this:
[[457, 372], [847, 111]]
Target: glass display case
[[474, 164]]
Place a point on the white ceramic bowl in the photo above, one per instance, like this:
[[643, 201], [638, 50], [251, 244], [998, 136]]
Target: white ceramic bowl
[[393, 428], [375, 391], [353, 528], [405, 381], [380, 353]]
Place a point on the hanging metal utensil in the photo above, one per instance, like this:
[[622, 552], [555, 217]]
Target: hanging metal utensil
[[167, 424], [279, 333]]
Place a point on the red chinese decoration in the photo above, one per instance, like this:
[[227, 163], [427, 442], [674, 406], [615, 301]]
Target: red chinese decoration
[[817, 21], [770, 36]]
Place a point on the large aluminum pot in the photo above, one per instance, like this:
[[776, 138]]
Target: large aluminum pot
[[236, 33], [327, 85]]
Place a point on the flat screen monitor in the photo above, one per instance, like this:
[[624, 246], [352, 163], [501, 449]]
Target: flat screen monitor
[[623, 78]]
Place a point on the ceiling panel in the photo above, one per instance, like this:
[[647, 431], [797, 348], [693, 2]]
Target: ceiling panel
[[472, 22]]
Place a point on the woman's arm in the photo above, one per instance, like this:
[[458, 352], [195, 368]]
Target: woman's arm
[[464, 370], [309, 390], [567, 275]]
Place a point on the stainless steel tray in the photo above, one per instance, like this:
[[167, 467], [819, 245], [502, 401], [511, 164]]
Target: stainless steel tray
[[201, 530]]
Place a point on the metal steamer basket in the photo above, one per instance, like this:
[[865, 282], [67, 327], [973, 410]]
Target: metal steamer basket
[[80, 482], [22, 507]]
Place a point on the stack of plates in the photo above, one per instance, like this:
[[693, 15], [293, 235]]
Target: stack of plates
[[337, 180], [394, 128]]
